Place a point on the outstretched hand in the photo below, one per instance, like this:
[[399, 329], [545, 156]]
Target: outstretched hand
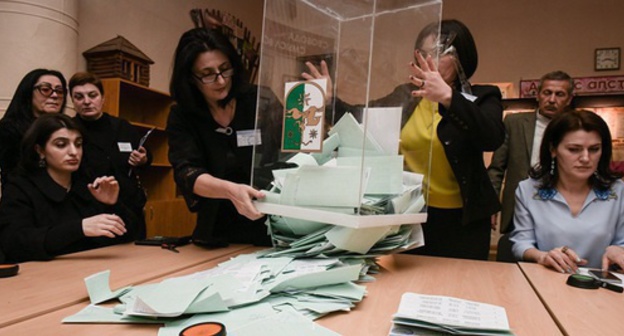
[[431, 85], [241, 196], [316, 74], [105, 189]]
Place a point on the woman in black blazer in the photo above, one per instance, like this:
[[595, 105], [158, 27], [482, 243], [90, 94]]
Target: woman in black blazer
[[456, 121], [47, 209]]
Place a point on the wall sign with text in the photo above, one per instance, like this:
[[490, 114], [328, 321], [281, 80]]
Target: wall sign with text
[[583, 86]]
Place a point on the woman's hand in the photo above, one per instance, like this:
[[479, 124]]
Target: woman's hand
[[105, 189], [241, 196], [103, 225], [138, 157], [562, 259], [613, 255], [316, 74], [431, 85]]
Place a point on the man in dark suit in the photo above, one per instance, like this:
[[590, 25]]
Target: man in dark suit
[[520, 151]]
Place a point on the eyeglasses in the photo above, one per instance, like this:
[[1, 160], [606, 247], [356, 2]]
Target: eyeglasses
[[211, 78], [442, 47], [46, 90]]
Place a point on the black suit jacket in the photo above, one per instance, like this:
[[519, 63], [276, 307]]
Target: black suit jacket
[[196, 148], [467, 129], [39, 219], [512, 161]]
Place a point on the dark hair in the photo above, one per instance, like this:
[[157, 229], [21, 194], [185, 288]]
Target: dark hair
[[556, 130], [82, 78], [20, 110], [464, 43], [193, 43], [38, 134], [557, 76]]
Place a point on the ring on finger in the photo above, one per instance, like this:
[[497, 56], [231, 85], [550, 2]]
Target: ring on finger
[[564, 249]]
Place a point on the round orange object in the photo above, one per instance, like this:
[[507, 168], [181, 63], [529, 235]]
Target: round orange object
[[204, 329]]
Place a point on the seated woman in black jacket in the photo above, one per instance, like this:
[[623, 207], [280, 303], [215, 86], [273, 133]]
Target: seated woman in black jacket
[[47, 209]]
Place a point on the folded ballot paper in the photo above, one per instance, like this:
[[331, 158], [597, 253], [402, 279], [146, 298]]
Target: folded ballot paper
[[249, 294], [434, 315], [350, 198]]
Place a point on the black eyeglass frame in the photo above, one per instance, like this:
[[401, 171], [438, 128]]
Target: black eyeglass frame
[[205, 79]]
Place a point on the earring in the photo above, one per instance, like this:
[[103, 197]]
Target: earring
[[42, 162], [552, 167]]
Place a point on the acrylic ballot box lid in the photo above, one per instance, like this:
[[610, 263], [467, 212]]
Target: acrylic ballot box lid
[[330, 152]]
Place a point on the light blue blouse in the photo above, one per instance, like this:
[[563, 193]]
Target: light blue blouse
[[543, 220]]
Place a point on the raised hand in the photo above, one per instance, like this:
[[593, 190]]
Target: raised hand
[[316, 74], [105, 189], [432, 85]]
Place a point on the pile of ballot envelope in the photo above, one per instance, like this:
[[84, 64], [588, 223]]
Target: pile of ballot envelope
[[249, 294], [314, 264], [357, 173]]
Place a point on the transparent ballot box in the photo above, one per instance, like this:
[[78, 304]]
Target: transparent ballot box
[[331, 149]]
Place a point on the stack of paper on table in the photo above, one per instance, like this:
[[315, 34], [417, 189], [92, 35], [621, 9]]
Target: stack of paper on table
[[248, 294], [442, 315]]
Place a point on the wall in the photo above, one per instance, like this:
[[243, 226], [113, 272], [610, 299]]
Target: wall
[[154, 26], [516, 39], [35, 34], [526, 39]]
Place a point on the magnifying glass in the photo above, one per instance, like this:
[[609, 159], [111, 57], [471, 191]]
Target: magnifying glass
[[204, 329], [8, 270], [587, 282]]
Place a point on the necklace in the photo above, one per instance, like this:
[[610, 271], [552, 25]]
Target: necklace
[[225, 118]]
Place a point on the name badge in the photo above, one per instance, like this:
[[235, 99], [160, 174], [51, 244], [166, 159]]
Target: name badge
[[124, 147], [248, 138]]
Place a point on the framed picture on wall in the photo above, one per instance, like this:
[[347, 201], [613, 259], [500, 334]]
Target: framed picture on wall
[[607, 59]]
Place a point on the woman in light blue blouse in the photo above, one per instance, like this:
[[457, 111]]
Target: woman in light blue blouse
[[570, 212]]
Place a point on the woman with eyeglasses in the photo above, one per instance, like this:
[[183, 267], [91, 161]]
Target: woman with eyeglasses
[[49, 208], [466, 121], [40, 91], [209, 129]]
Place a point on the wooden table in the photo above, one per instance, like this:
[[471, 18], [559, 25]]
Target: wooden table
[[50, 324], [500, 284], [42, 287], [577, 311], [495, 283]]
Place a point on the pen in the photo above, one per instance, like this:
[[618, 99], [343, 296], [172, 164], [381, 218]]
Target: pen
[[170, 247]]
